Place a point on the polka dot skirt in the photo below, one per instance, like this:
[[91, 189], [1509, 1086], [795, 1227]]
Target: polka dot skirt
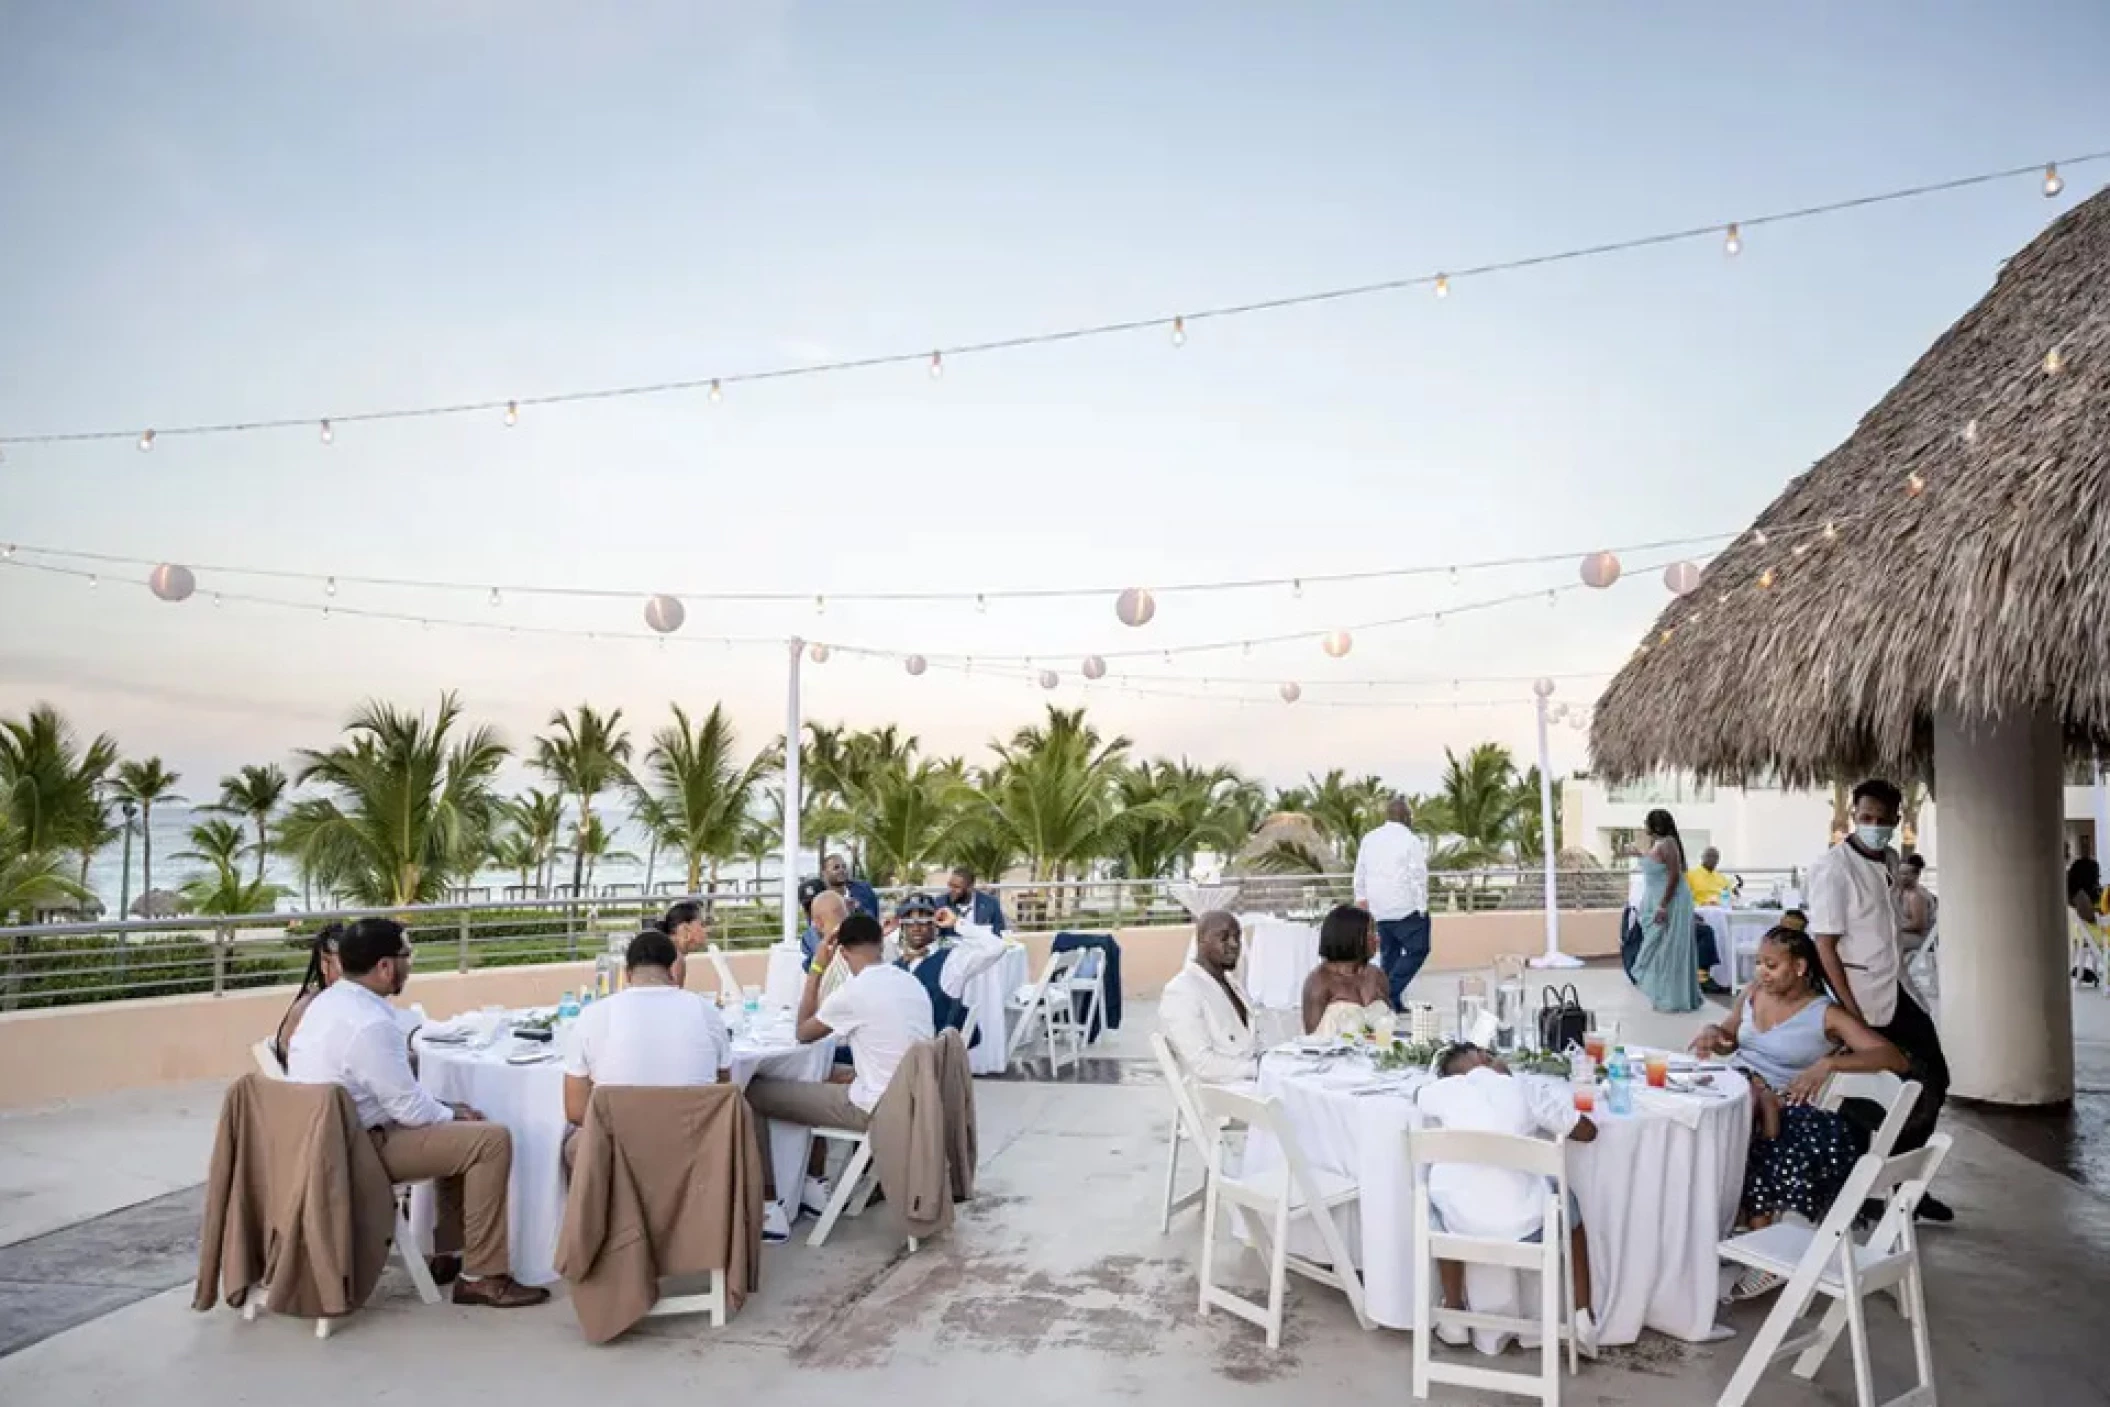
[[1803, 1169]]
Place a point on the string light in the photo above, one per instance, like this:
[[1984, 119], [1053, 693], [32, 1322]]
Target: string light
[[329, 587], [1733, 243], [9, 552], [1179, 332], [146, 441], [512, 412], [496, 599], [1135, 607], [1831, 532], [937, 366], [94, 582], [1970, 431], [327, 433], [981, 603], [2053, 181], [915, 665], [717, 391], [1914, 485], [1290, 692], [1296, 589], [1443, 285], [820, 605], [216, 600], [817, 652], [1765, 579], [2054, 362]]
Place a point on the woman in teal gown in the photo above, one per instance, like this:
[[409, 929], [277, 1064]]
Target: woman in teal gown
[[1667, 967]]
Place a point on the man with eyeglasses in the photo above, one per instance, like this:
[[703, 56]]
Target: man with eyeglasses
[[349, 1037]]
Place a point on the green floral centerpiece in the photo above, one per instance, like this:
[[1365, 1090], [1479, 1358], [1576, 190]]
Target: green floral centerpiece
[[1540, 1062], [1407, 1055]]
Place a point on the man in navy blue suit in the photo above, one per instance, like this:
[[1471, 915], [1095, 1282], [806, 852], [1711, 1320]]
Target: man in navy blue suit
[[973, 905], [859, 895]]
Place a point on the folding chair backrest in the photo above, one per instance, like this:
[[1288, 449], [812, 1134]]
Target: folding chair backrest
[[1898, 1098], [1426, 1147], [1221, 1107], [1182, 1087], [722, 967], [1902, 1178]]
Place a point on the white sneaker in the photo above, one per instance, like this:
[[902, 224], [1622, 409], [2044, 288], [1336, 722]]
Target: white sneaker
[[1456, 1335], [814, 1197], [1586, 1334], [776, 1227]]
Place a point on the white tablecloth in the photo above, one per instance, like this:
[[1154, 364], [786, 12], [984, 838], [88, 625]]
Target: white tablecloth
[[1278, 956], [529, 1100], [1736, 935], [1656, 1197], [987, 995]]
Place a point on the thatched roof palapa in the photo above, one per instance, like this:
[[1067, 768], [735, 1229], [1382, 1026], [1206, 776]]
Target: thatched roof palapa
[[1967, 569]]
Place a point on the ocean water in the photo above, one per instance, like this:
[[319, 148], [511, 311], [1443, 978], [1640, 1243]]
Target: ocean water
[[172, 837]]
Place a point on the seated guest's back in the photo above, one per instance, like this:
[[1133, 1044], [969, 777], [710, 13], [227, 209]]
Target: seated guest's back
[[651, 1033], [323, 971]]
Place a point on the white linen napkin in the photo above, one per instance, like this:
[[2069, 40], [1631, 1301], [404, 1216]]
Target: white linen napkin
[[1686, 1109]]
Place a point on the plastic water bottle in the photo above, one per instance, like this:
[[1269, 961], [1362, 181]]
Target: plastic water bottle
[[1619, 1084], [568, 1007]]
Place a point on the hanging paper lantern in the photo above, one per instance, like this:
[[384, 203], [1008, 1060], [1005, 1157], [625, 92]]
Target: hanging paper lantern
[[916, 664], [172, 583], [1337, 643], [665, 614], [817, 652], [1135, 606], [1600, 569], [1049, 679], [1291, 693], [1543, 687], [1683, 578], [1094, 667]]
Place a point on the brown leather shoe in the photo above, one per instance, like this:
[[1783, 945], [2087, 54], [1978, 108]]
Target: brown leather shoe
[[445, 1269], [498, 1292]]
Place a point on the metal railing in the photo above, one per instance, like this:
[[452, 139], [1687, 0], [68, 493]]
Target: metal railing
[[68, 963]]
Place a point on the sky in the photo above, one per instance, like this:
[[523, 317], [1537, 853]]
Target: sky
[[225, 211]]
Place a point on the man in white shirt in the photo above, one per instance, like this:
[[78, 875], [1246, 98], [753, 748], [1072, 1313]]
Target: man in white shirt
[[1206, 1017], [652, 1033], [881, 1011], [349, 1037], [1474, 1091], [944, 964], [1854, 921], [1392, 883]]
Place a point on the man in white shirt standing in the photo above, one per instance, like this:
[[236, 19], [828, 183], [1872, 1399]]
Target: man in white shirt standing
[[1853, 918], [1206, 1018], [652, 1034], [881, 1011], [1392, 883], [1475, 1092], [349, 1037]]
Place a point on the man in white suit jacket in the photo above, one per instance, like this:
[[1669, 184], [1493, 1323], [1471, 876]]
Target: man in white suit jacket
[[1205, 1016]]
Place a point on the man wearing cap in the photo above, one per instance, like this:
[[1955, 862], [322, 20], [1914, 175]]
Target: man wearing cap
[[944, 964]]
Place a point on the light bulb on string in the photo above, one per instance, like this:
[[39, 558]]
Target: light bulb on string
[[981, 603], [1179, 332], [1758, 536], [329, 586], [937, 366], [1443, 285], [1135, 606], [820, 605], [146, 441], [1914, 485], [2053, 181], [717, 391], [1970, 431], [512, 412], [9, 551], [2054, 362], [1733, 242], [1831, 532], [216, 600], [94, 582], [496, 600], [328, 434]]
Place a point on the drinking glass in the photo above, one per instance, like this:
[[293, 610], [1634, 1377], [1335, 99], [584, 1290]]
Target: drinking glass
[[1472, 1000], [1594, 1046], [1512, 1028], [1585, 1098], [1657, 1066]]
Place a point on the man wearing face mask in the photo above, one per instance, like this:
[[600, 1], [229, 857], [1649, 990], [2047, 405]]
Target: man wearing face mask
[[1854, 920]]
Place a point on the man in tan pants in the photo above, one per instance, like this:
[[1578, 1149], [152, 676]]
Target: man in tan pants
[[349, 1037]]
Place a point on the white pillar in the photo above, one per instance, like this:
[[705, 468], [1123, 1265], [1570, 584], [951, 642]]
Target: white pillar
[[2006, 1009], [794, 731], [1550, 843]]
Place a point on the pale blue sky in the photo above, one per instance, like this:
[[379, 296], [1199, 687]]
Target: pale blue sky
[[219, 211]]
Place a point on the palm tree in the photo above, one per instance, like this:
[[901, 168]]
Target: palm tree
[[255, 793], [700, 794], [1052, 793], [32, 880], [218, 843], [49, 784], [1477, 806], [593, 842], [906, 820], [104, 828], [513, 850], [588, 753], [411, 808], [1173, 811], [146, 783], [1346, 811], [222, 890], [320, 869], [1526, 835], [823, 762], [539, 818]]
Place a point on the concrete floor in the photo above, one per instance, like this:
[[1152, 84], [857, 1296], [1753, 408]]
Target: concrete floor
[[1055, 1286]]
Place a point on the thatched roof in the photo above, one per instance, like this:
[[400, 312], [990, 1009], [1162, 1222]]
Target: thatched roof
[[1970, 570]]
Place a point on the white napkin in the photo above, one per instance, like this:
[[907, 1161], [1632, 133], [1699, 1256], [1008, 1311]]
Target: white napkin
[[1686, 1109]]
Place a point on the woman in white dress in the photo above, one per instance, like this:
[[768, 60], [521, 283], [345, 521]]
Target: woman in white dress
[[1345, 995]]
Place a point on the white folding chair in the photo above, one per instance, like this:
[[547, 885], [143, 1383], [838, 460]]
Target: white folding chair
[[722, 970], [1188, 1126], [1036, 1009], [1898, 1098], [1275, 1201], [1923, 964], [1088, 980], [1549, 1257], [1824, 1260]]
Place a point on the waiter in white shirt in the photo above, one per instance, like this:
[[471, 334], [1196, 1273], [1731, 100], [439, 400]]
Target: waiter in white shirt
[[350, 1037], [1206, 1018], [1392, 883]]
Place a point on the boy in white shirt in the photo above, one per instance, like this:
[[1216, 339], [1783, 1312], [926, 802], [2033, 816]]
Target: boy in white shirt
[[881, 1011], [652, 1033], [1475, 1091]]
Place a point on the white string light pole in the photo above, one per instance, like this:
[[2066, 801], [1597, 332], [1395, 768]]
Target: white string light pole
[[1549, 842], [794, 728]]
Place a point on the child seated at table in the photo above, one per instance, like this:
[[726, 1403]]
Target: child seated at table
[[1476, 1091]]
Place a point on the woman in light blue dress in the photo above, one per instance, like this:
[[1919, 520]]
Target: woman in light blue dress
[[1667, 967]]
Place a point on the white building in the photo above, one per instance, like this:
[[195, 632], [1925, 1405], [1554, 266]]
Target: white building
[[1762, 827]]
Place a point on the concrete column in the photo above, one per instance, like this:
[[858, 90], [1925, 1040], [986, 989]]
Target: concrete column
[[2006, 1007]]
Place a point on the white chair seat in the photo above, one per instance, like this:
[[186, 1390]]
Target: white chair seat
[[1780, 1249], [1329, 1188]]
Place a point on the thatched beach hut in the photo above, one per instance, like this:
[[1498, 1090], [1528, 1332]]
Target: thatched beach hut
[[1931, 600]]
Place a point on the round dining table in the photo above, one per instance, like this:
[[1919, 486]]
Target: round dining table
[[528, 1099], [1658, 1188]]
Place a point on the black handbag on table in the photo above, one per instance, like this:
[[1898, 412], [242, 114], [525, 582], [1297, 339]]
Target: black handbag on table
[[1562, 1019]]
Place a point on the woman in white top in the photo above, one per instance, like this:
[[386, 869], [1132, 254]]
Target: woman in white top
[[1344, 994]]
